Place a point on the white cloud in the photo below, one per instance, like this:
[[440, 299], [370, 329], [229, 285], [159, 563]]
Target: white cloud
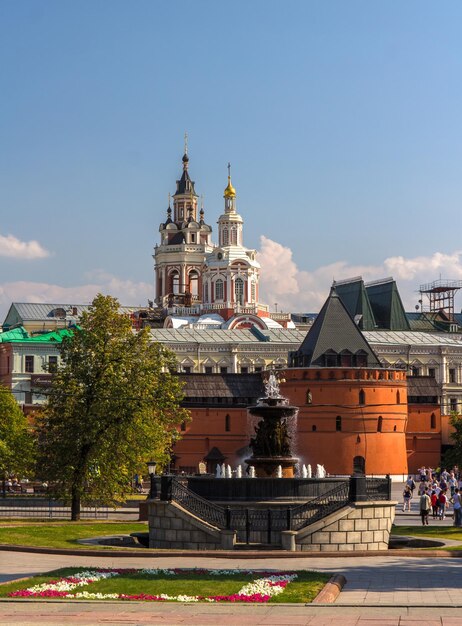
[[14, 248], [301, 290], [127, 292]]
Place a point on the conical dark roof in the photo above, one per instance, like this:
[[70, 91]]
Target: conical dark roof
[[333, 333], [185, 185]]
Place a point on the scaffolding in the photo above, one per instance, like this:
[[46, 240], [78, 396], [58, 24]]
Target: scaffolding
[[440, 294]]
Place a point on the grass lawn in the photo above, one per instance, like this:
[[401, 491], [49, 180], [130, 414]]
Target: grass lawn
[[303, 588], [434, 532], [61, 534]]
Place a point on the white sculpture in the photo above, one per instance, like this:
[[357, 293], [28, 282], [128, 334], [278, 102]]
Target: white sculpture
[[218, 471], [272, 386], [279, 471], [252, 471], [309, 471], [304, 472], [229, 471], [239, 471]]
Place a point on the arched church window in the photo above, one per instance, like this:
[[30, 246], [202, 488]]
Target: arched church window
[[175, 282], [225, 237], [362, 397], [206, 292], [194, 283], [219, 290], [233, 236], [379, 424], [239, 290], [253, 291], [432, 420]]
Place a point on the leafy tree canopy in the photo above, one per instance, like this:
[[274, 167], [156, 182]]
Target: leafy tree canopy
[[16, 440], [453, 456], [113, 404]]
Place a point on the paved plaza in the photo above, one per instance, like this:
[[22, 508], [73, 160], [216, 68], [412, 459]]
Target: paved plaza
[[379, 590]]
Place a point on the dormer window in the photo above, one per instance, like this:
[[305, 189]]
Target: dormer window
[[330, 358]]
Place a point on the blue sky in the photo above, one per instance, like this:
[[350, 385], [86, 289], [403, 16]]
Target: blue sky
[[342, 121]]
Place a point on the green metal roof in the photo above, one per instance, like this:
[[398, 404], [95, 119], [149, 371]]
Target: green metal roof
[[17, 334], [20, 335], [354, 297], [387, 305]]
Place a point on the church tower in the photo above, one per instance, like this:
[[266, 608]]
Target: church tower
[[185, 239], [231, 271]]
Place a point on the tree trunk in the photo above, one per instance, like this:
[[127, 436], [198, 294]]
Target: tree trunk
[[75, 505]]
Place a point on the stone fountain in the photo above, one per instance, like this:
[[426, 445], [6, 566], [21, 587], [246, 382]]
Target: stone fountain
[[272, 443]]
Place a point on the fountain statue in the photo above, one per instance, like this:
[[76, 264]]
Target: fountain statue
[[272, 445]]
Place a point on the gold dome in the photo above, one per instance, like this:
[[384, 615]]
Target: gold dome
[[230, 192]]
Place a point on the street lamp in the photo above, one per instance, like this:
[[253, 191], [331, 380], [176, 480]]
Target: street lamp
[[152, 472]]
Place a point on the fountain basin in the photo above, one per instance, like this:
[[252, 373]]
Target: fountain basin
[[261, 489], [267, 466]]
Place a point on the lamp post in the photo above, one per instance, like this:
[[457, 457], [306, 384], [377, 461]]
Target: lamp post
[[152, 472]]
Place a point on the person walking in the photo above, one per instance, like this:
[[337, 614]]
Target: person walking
[[434, 501], [425, 507], [442, 504], [457, 506], [411, 484], [407, 495]]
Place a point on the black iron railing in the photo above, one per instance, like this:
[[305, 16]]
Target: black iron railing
[[316, 509], [47, 508], [198, 506], [269, 522]]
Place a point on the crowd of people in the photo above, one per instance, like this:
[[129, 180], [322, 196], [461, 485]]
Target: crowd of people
[[437, 491]]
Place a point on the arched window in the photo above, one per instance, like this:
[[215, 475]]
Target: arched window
[[233, 236], [398, 398], [239, 290], [253, 291], [379, 424], [175, 277], [432, 420], [362, 397], [206, 292], [194, 283], [313, 428], [338, 423], [219, 290], [225, 237], [227, 423]]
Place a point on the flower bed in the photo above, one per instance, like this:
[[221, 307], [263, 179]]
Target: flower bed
[[262, 586]]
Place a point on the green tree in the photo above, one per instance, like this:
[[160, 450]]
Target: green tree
[[16, 438], [453, 456], [113, 403]]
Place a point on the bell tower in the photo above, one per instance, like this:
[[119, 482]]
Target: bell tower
[[231, 272], [184, 242]]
